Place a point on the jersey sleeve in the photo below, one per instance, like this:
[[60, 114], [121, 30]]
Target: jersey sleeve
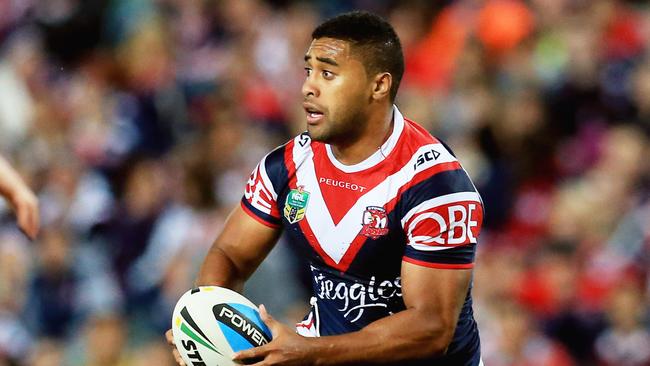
[[260, 196], [442, 220]]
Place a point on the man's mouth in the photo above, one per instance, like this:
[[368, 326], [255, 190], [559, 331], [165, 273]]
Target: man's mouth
[[314, 114]]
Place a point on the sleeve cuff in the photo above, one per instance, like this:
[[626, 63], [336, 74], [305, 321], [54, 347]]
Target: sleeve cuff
[[271, 221], [438, 265]]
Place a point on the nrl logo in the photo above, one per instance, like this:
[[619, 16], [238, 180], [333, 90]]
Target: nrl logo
[[296, 204], [375, 222]]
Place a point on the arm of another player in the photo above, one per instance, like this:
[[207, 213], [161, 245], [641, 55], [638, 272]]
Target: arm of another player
[[433, 299], [235, 254], [21, 198]]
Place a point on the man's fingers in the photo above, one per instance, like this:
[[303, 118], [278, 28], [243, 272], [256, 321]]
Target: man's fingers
[[28, 220], [266, 317], [275, 326], [257, 355], [23, 222], [170, 337], [251, 354], [27, 213], [177, 357], [34, 222]]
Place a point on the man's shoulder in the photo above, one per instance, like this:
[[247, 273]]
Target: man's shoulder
[[417, 135], [429, 167], [422, 150]]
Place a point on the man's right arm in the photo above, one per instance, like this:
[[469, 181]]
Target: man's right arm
[[240, 248], [250, 232]]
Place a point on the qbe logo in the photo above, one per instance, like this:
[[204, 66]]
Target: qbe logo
[[453, 224]]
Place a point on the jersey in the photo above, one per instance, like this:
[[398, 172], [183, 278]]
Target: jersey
[[411, 201]]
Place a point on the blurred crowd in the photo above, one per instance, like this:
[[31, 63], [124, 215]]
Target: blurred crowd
[[137, 122]]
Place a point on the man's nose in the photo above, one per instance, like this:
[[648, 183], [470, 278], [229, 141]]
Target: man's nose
[[309, 89]]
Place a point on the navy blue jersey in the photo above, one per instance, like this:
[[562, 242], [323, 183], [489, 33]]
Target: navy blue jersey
[[409, 202]]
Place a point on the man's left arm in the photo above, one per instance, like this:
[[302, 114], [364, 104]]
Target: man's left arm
[[433, 299], [21, 198]]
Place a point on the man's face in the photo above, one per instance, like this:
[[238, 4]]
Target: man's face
[[336, 91]]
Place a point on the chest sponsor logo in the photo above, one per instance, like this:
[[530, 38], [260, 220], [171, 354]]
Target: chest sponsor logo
[[353, 298], [296, 205], [375, 222]]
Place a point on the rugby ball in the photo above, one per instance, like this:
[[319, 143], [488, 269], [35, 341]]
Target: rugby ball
[[211, 323]]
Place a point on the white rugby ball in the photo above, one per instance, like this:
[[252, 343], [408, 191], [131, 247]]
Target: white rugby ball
[[211, 323]]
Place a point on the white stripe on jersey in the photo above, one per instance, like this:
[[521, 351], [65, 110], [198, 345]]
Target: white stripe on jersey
[[310, 327], [336, 239]]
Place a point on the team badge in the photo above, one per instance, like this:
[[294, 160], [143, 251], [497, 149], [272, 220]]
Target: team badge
[[296, 204], [375, 222]]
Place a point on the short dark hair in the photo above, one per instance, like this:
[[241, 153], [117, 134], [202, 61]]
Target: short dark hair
[[373, 37]]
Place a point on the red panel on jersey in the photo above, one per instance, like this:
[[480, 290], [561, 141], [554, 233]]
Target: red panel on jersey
[[341, 190], [304, 225]]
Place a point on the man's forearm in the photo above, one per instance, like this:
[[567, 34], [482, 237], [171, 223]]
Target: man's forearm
[[407, 335], [218, 270], [237, 252]]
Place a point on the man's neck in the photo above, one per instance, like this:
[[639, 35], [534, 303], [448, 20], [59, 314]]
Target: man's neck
[[377, 131]]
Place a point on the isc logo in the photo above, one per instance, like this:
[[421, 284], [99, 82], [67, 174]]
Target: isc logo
[[427, 156], [454, 224]]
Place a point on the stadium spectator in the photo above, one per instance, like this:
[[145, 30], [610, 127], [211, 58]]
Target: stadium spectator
[[626, 341]]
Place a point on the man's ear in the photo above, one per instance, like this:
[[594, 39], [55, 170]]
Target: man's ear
[[381, 85]]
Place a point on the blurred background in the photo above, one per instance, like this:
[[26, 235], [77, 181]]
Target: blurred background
[[137, 122]]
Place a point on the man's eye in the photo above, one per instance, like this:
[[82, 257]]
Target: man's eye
[[307, 71], [328, 74]]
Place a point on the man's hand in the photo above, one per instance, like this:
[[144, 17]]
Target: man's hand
[[25, 205], [286, 348], [170, 340]]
